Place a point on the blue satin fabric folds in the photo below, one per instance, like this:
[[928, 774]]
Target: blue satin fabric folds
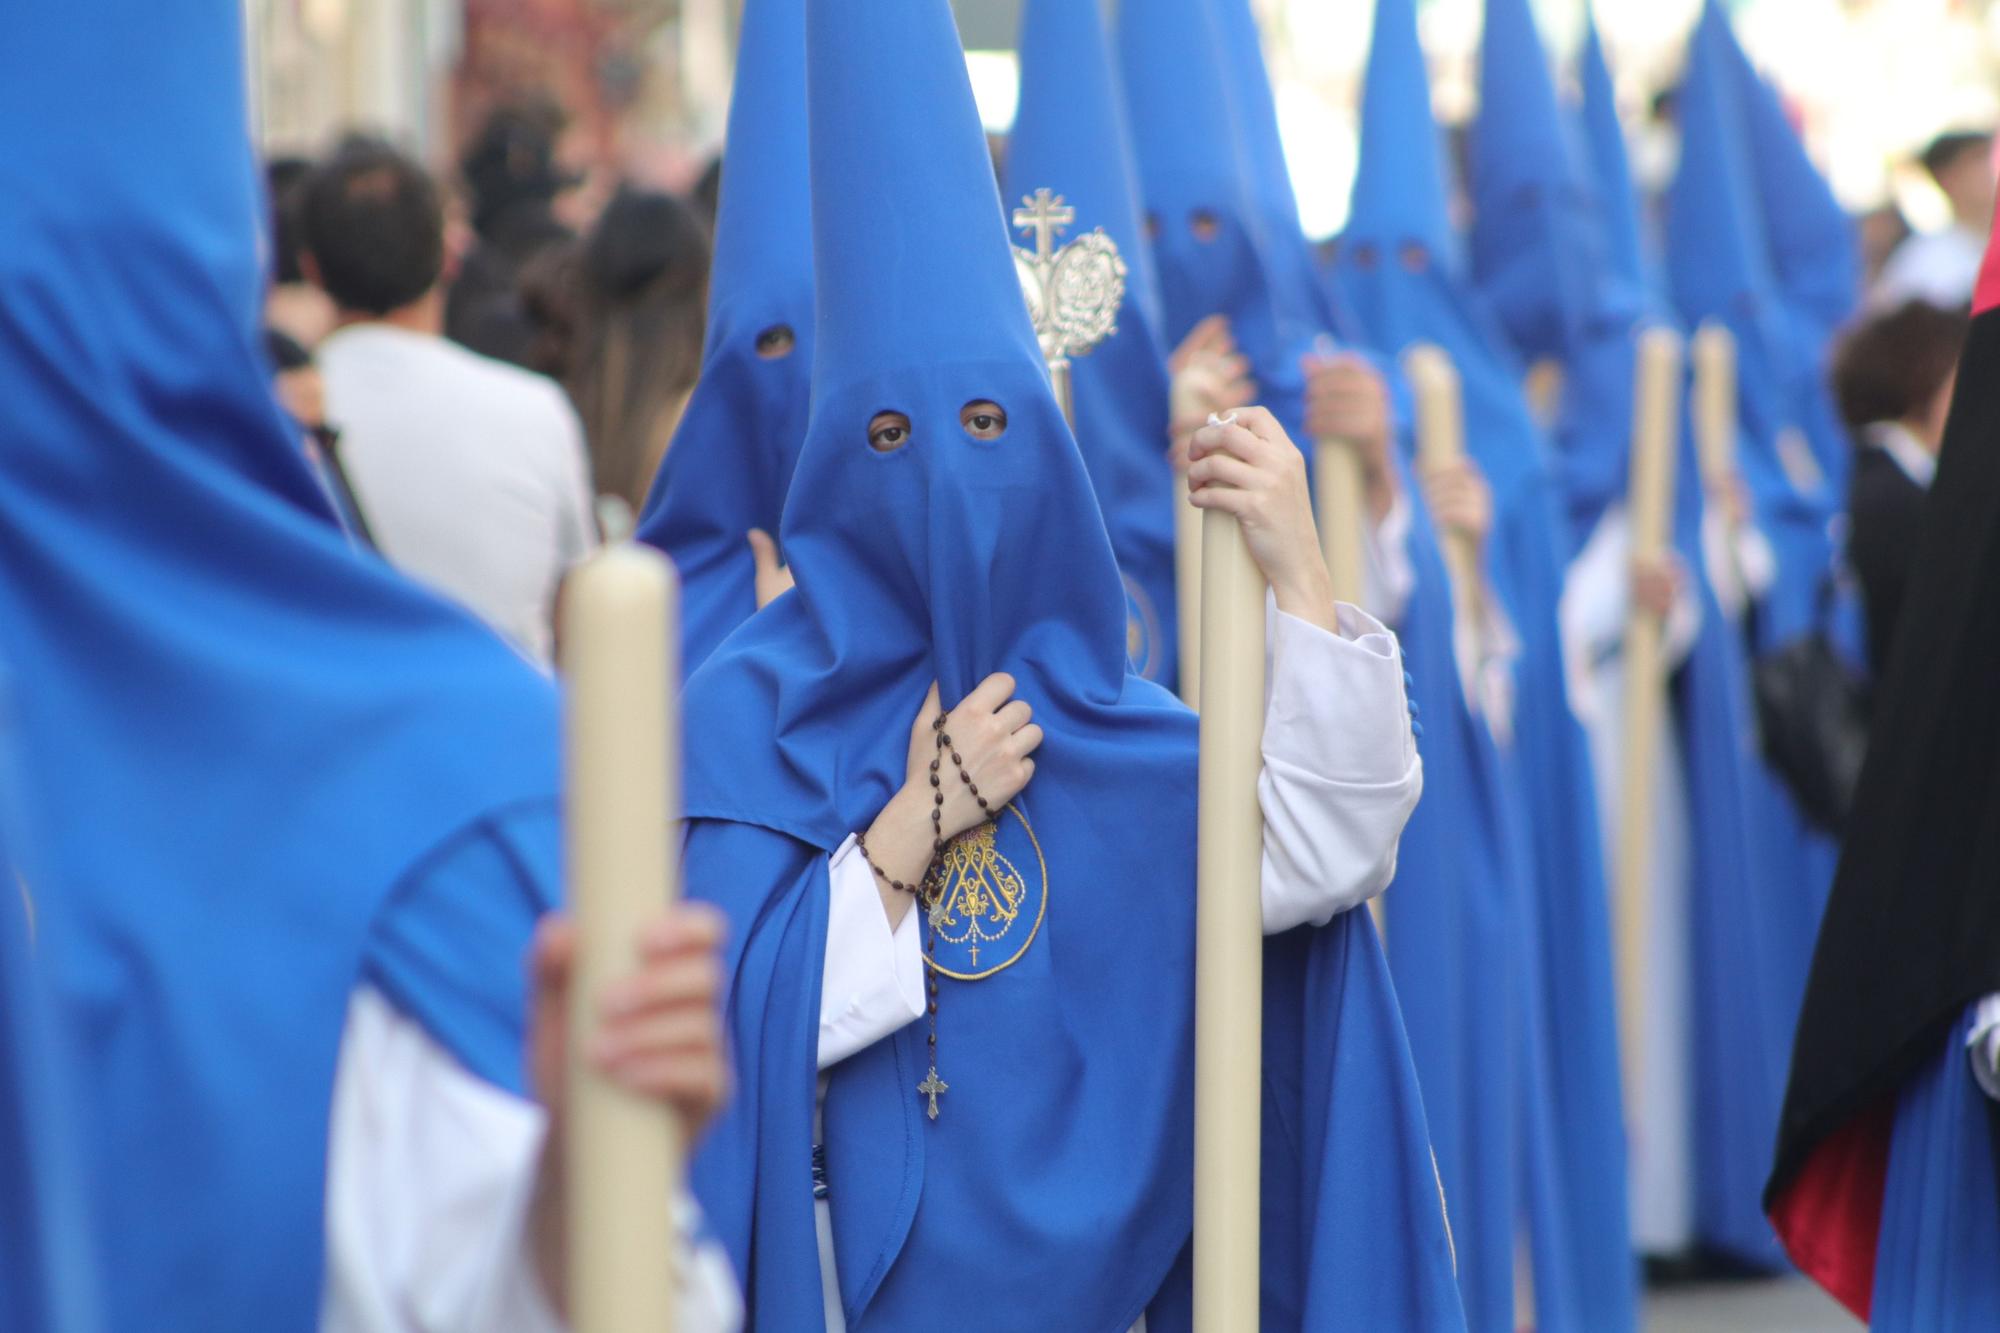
[[245, 738]]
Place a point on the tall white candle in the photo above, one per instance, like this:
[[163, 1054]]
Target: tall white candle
[[624, 1155]]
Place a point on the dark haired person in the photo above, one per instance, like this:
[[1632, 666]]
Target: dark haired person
[[1940, 266], [293, 305], [517, 184], [641, 308], [1893, 376], [471, 471]]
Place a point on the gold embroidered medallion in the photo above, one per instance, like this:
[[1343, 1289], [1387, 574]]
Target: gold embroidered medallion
[[984, 911]]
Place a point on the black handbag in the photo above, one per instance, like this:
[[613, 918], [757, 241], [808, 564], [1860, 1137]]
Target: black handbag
[[1812, 719]]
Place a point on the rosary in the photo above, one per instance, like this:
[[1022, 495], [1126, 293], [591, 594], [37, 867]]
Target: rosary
[[929, 894]]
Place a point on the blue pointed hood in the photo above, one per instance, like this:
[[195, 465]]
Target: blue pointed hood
[[245, 738], [1400, 192], [1206, 216], [1533, 240], [737, 444], [1815, 248], [1718, 265], [1070, 138], [1614, 194]]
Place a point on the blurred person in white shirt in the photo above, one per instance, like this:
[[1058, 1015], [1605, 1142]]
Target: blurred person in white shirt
[[471, 473]]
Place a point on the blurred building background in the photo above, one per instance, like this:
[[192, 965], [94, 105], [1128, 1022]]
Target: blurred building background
[[647, 81]]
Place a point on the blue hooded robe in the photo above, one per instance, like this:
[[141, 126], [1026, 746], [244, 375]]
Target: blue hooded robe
[[254, 751], [731, 461], [1398, 269], [1055, 1185], [1449, 916], [1752, 943], [1539, 254], [1070, 138]]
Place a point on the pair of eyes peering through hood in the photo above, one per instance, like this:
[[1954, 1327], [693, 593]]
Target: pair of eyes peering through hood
[[982, 419], [1203, 225]]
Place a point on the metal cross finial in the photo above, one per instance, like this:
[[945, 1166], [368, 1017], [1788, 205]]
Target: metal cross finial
[[1045, 214]]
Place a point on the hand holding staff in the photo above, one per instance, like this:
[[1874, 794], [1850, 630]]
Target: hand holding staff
[[624, 1154], [1655, 436]]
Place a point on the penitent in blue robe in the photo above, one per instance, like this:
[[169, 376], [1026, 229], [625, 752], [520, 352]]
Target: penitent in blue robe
[[1396, 269], [248, 743], [1054, 1187], [1755, 946]]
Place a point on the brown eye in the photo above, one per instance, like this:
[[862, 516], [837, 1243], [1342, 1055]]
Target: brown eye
[[983, 420], [1205, 225], [1415, 258], [1152, 226], [888, 432], [775, 342]]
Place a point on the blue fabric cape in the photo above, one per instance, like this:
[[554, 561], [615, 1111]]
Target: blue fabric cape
[[1056, 1183], [1397, 269], [1070, 137], [245, 738], [732, 458], [1934, 1269]]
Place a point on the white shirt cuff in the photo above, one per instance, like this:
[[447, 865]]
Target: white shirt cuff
[[873, 981], [1387, 576], [1341, 772]]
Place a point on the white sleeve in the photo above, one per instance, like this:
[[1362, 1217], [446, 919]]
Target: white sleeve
[[578, 492], [1387, 576], [873, 981], [1983, 1045], [430, 1174], [1341, 771]]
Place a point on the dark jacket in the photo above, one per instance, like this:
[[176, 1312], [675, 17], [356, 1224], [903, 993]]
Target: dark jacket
[[1885, 515]]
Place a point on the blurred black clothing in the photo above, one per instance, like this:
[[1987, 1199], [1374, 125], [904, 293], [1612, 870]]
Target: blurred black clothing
[[1885, 517], [484, 309]]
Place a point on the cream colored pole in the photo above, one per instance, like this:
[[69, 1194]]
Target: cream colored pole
[[1229, 925], [624, 1156], [1714, 355], [1341, 513], [1649, 506], [1441, 439]]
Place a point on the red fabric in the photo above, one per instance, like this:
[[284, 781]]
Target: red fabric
[[1987, 294], [1830, 1216]]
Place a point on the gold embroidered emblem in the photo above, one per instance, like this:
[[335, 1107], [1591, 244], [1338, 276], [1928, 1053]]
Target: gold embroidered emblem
[[984, 912]]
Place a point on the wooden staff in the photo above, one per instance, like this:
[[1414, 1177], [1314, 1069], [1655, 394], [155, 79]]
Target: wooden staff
[[1441, 439], [1342, 515], [1341, 510], [1229, 925], [624, 1156], [1650, 504], [1714, 355]]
